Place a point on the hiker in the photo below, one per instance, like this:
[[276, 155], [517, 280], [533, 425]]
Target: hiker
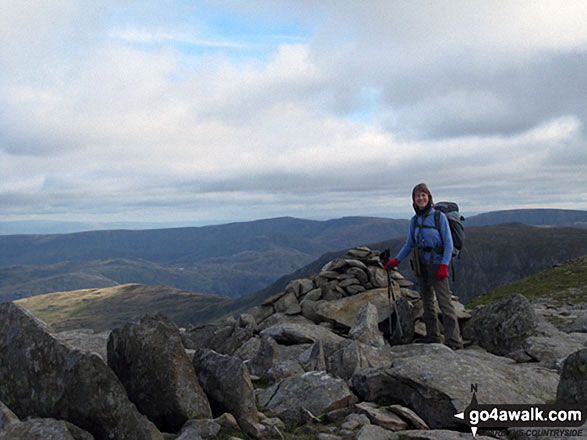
[[431, 250]]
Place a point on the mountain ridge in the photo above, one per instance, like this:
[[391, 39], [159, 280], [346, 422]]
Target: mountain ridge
[[232, 260]]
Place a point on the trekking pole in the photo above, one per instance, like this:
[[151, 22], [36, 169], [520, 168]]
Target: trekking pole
[[384, 257], [391, 292]]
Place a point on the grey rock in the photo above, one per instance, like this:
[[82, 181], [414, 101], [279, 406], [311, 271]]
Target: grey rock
[[309, 310], [202, 428], [366, 327], [43, 429], [87, 340], [282, 318], [227, 383], [208, 336], [578, 325], [287, 303], [300, 286], [549, 351], [313, 358], [246, 320], [381, 416], [343, 312], [572, 387], [503, 326], [360, 252], [436, 385], [313, 295], [316, 392], [260, 313], [7, 417], [43, 377], [149, 359], [293, 333], [261, 355], [359, 273], [410, 416], [374, 432], [353, 355], [354, 289]]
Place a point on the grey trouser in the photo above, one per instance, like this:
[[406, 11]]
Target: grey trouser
[[429, 288]]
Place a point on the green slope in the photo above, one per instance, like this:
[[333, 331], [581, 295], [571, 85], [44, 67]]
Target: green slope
[[102, 309]]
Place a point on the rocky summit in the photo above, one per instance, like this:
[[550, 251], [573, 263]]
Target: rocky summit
[[332, 357]]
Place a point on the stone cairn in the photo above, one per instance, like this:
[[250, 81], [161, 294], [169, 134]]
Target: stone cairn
[[359, 277]]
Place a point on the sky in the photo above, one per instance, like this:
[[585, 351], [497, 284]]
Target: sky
[[206, 112]]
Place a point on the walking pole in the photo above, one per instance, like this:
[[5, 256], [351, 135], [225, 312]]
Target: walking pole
[[385, 257]]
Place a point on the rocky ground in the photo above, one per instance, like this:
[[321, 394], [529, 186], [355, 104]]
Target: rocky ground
[[331, 357]]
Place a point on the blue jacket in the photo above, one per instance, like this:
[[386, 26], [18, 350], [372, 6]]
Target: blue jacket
[[429, 238]]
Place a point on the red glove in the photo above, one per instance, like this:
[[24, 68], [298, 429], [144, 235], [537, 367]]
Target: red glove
[[391, 264], [442, 272]]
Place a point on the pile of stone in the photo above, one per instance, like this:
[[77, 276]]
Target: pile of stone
[[336, 294], [318, 360]]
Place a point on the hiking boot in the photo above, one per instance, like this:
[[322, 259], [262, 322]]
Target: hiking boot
[[455, 345], [427, 340]]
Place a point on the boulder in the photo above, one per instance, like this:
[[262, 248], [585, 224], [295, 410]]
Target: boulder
[[227, 382], [408, 415], [579, 324], [315, 391], [261, 355], [43, 429], [149, 359], [503, 326], [7, 417], [366, 326], [43, 377], [199, 428], [312, 359], [374, 432], [436, 384], [288, 303], [344, 311], [402, 318], [223, 337], [87, 340], [293, 333], [352, 355], [381, 416], [572, 387]]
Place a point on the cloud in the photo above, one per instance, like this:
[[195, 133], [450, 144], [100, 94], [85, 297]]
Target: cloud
[[133, 112]]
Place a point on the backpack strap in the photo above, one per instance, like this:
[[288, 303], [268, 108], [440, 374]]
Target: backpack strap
[[438, 250]]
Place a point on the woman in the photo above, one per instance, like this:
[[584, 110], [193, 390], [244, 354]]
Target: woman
[[431, 250]]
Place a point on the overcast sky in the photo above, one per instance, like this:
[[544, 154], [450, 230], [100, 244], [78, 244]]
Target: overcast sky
[[217, 111]]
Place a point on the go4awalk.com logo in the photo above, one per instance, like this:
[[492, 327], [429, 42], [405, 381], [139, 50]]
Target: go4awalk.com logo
[[566, 418]]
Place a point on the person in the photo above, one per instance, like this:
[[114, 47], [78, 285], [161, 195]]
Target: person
[[431, 251]]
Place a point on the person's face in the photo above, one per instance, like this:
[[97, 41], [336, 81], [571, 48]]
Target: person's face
[[421, 200]]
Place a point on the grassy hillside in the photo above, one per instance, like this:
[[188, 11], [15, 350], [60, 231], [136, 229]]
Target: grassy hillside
[[102, 309], [564, 283]]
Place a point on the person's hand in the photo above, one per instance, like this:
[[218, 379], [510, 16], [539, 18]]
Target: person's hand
[[442, 272], [391, 264]]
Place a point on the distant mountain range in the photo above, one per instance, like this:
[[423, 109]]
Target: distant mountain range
[[103, 309], [230, 259], [493, 256], [243, 258], [534, 217]]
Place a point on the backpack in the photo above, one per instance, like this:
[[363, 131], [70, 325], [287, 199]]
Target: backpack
[[455, 219]]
